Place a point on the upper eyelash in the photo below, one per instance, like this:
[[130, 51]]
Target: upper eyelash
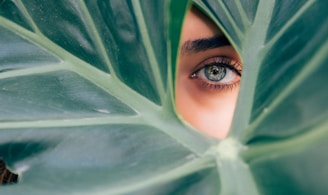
[[223, 61]]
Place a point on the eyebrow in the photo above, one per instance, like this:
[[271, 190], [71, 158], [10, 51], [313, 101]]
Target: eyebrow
[[199, 45]]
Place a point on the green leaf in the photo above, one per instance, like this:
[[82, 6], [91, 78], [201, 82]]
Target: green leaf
[[87, 99]]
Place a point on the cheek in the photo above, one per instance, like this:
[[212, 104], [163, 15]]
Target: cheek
[[210, 113]]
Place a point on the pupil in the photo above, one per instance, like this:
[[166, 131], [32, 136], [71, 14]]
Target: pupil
[[215, 73], [215, 70]]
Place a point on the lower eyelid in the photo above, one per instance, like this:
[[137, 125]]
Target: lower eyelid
[[220, 87]]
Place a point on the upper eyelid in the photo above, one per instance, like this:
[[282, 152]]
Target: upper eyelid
[[223, 60], [226, 66]]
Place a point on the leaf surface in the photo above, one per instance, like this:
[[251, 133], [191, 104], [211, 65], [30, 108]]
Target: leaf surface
[[87, 99]]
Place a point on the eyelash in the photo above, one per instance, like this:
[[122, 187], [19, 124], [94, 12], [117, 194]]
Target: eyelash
[[218, 61]]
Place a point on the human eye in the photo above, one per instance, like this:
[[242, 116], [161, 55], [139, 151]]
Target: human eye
[[218, 73]]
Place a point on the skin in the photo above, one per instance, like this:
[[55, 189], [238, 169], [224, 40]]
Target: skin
[[205, 104]]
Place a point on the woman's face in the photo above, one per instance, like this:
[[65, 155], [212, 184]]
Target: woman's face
[[208, 76]]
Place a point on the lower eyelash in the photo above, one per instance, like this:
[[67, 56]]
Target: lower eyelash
[[218, 87]]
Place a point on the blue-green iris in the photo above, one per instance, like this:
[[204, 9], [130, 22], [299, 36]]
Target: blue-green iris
[[215, 73]]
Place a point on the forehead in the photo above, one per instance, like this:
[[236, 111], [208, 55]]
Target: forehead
[[198, 26]]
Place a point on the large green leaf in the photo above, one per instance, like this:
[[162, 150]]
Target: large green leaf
[[88, 105]]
